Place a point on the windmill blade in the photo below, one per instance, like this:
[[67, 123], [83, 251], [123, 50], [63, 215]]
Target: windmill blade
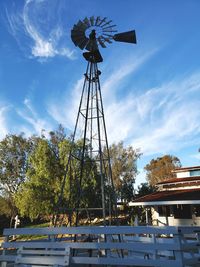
[[75, 38], [82, 25], [77, 32], [107, 35], [86, 21], [101, 42], [79, 38], [82, 44], [109, 27], [108, 22], [97, 21], [127, 37], [92, 20], [109, 30], [78, 29], [104, 19], [106, 39]]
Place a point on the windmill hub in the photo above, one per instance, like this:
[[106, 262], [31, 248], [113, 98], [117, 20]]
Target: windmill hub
[[97, 30], [92, 35]]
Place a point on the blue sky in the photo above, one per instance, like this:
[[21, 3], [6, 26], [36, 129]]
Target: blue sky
[[151, 90]]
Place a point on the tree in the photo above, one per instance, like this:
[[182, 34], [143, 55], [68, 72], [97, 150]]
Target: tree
[[160, 169], [144, 189], [5, 207], [40, 194], [14, 151], [124, 169]]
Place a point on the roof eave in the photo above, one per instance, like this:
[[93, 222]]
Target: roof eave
[[165, 203]]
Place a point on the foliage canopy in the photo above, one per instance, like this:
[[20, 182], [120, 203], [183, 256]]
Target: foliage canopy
[[160, 169]]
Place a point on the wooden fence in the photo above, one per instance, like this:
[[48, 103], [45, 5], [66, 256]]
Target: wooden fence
[[109, 245]]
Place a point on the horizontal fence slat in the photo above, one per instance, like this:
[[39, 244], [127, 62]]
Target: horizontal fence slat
[[94, 245], [125, 261], [193, 261], [42, 252], [8, 258], [40, 259], [114, 230]]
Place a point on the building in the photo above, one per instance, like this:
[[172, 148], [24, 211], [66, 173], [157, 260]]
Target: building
[[176, 201]]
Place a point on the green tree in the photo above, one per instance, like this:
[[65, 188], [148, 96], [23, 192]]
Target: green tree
[[5, 207], [144, 189], [14, 151], [124, 169], [160, 169], [40, 194]]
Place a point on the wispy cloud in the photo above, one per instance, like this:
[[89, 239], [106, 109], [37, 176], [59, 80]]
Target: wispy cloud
[[196, 156], [47, 39], [65, 112], [3, 125], [123, 69], [32, 119], [161, 119], [23, 119]]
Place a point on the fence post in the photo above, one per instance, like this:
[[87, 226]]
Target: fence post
[[178, 253], [4, 263]]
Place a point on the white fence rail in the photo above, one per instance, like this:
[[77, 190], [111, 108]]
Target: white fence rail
[[111, 245]]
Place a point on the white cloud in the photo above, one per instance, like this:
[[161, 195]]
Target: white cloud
[[159, 120], [196, 156], [65, 110], [43, 47], [47, 38], [33, 119], [3, 125], [123, 70]]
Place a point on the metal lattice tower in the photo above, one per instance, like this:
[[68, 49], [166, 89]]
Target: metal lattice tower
[[90, 127]]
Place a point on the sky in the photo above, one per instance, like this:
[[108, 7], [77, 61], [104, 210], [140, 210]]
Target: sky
[[151, 90]]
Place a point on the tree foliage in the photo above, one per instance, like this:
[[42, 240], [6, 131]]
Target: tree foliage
[[40, 194], [144, 189], [124, 169], [14, 150], [160, 169], [32, 171]]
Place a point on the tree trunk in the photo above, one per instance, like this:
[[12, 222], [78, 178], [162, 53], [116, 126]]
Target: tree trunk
[[11, 221]]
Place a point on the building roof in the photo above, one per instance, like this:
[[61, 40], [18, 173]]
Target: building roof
[[173, 197], [185, 169], [180, 180]]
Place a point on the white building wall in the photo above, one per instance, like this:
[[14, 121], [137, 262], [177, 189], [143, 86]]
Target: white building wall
[[182, 174], [181, 186], [171, 221]]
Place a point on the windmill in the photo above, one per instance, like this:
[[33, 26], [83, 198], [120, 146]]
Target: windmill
[[90, 34]]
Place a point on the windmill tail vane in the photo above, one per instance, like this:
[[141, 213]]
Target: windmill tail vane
[[90, 34]]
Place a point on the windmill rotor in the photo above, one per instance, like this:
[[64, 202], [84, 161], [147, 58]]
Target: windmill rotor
[[94, 32]]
